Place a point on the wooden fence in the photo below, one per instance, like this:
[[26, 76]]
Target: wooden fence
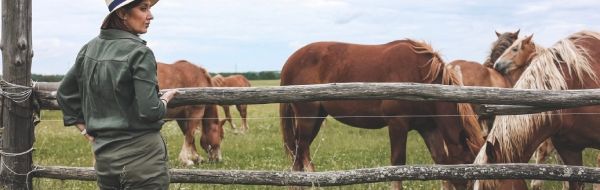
[[524, 101], [358, 176]]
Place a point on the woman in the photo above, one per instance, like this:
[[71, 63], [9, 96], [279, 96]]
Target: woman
[[111, 95]]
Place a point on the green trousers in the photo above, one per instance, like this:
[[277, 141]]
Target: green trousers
[[137, 163]]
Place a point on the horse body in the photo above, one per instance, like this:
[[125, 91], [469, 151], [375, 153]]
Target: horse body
[[183, 74], [569, 64], [233, 81], [448, 138]]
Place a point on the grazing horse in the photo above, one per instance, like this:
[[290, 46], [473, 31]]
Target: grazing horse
[[233, 81], [451, 140], [572, 63], [183, 74]]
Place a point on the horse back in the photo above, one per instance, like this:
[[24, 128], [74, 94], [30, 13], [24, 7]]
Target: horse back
[[236, 81], [182, 74], [475, 74], [335, 62]]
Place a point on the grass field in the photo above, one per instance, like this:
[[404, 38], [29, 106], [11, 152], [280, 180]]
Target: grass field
[[337, 147]]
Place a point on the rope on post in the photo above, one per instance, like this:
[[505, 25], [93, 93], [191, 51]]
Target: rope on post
[[22, 93]]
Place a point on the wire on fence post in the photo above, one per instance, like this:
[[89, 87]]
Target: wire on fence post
[[18, 94], [23, 92]]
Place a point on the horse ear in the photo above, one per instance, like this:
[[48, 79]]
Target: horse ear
[[497, 34], [517, 32], [528, 39], [489, 151]]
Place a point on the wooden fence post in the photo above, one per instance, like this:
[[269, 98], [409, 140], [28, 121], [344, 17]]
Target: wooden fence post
[[16, 116]]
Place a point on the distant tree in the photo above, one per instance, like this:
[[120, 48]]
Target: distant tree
[[46, 78]]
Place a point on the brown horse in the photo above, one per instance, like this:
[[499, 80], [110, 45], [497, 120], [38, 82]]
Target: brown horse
[[183, 74], [233, 81], [572, 63], [451, 140]]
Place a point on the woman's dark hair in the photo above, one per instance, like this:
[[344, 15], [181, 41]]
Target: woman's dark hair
[[113, 21]]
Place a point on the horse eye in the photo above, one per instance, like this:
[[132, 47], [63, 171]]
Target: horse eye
[[514, 49]]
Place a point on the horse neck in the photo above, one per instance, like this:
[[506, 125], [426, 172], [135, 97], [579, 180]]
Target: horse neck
[[513, 77], [211, 116]]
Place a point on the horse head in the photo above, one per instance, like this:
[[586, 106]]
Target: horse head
[[212, 133], [502, 43], [516, 58], [491, 153]]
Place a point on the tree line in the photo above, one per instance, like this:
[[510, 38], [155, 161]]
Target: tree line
[[262, 75]]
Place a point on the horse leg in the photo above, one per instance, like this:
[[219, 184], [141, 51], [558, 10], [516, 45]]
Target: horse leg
[[228, 116], [243, 108], [398, 132], [309, 117], [573, 157], [541, 155], [438, 148], [188, 154]]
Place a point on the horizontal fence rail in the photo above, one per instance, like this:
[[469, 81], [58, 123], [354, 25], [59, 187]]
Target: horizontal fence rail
[[358, 176], [530, 101]]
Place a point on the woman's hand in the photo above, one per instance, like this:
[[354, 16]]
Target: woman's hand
[[168, 95], [83, 131]]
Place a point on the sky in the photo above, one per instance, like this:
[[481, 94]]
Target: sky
[[259, 35]]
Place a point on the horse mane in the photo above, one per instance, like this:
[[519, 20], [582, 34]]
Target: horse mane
[[217, 81], [469, 119], [435, 64], [544, 73]]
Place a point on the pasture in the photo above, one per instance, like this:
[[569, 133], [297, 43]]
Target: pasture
[[337, 147]]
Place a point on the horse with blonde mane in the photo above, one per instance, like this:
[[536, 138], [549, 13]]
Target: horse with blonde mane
[[450, 140], [233, 81], [470, 73], [183, 74], [572, 63]]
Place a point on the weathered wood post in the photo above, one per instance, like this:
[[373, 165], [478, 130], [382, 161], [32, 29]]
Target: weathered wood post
[[16, 116]]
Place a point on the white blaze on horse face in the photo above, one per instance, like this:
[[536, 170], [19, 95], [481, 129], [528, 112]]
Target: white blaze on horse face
[[504, 62]]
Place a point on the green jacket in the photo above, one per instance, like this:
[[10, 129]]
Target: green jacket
[[113, 86]]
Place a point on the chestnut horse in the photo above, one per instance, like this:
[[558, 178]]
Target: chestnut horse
[[183, 74], [451, 140], [572, 63], [233, 81]]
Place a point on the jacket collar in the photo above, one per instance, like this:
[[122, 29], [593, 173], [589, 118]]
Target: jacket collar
[[113, 34]]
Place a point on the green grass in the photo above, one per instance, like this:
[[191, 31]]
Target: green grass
[[337, 147]]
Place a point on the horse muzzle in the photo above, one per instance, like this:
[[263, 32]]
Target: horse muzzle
[[502, 66]]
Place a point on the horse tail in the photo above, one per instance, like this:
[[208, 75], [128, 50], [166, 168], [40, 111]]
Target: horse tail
[[287, 127], [471, 125], [469, 119], [452, 75]]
